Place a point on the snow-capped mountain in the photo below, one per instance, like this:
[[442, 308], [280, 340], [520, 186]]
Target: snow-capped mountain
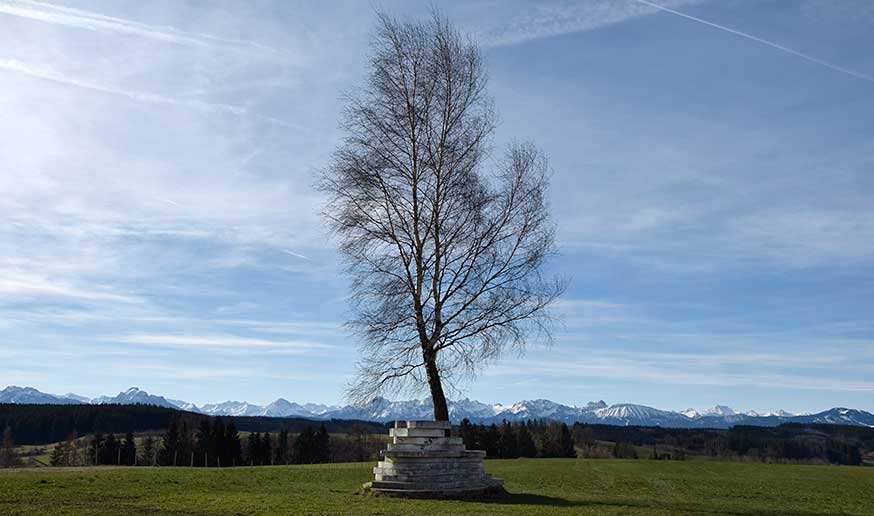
[[383, 410], [284, 408], [719, 410], [279, 408], [15, 394], [76, 397], [539, 409], [778, 413], [184, 405], [133, 396], [467, 408], [838, 416], [318, 408], [232, 408], [690, 413], [628, 414]]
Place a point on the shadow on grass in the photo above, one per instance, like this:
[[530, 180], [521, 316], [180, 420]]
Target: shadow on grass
[[507, 498]]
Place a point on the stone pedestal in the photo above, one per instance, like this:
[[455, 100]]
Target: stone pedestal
[[423, 460]]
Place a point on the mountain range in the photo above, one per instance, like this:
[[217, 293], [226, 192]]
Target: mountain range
[[383, 410]]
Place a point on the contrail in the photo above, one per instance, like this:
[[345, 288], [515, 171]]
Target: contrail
[[48, 74], [771, 44], [78, 18], [298, 255], [149, 98]]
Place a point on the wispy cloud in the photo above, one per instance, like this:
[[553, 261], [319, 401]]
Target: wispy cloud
[[545, 20], [42, 72], [157, 370], [217, 341], [46, 73], [22, 286], [81, 19], [688, 369]]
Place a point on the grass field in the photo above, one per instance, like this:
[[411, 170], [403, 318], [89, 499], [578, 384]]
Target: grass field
[[536, 486]]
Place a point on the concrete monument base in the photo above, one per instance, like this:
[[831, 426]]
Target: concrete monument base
[[425, 461]]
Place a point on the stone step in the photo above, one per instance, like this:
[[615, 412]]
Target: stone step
[[424, 460], [472, 476], [466, 455], [448, 464], [434, 441], [419, 486], [432, 466], [425, 448], [417, 432], [423, 424], [429, 472], [394, 454], [496, 485]]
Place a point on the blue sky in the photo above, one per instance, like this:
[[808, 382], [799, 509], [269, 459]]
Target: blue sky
[[713, 196]]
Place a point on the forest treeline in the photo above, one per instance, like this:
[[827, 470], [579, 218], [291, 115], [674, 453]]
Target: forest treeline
[[789, 442], [518, 439], [44, 424], [149, 435], [792, 442], [218, 443]]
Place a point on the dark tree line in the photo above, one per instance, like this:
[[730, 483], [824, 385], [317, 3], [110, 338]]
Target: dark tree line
[[45, 424], [520, 439], [107, 449], [811, 443], [215, 443], [218, 444], [792, 442]]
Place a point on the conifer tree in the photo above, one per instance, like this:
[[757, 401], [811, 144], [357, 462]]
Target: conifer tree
[[129, 450], [282, 447], [303, 446], [266, 449], [566, 442], [467, 432], [217, 451], [489, 441], [232, 444], [322, 443], [186, 446], [583, 435], [254, 448], [527, 448], [202, 448], [110, 450], [169, 455], [480, 435], [508, 442], [95, 448]]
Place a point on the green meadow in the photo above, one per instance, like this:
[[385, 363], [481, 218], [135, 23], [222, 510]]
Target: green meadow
[[535, 486]]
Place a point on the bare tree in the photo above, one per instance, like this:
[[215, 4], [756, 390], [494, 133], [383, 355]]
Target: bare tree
[[445, 258], [8, 454]]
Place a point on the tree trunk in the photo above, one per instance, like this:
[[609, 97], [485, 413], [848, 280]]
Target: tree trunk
[[441, 412]]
